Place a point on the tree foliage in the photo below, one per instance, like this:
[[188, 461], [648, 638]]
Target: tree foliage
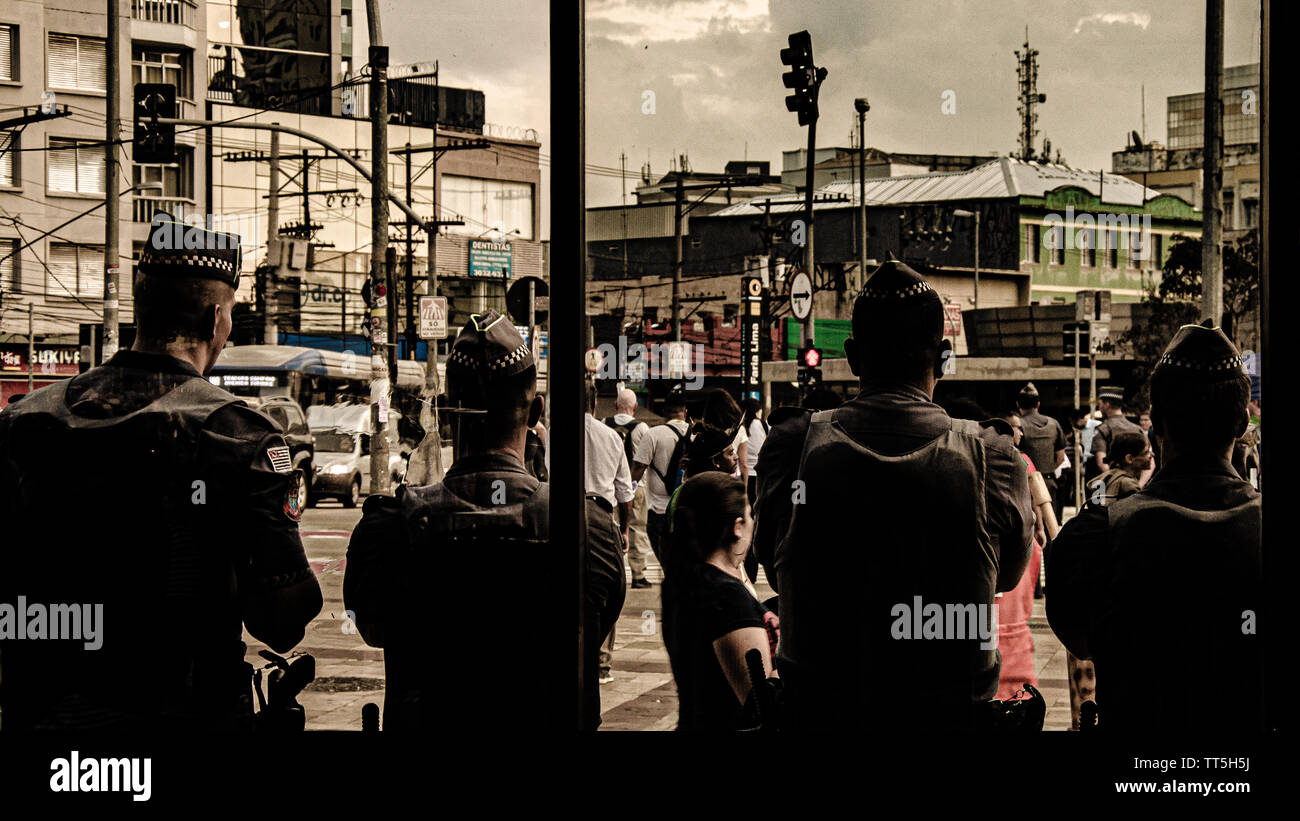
[[1176, 301]]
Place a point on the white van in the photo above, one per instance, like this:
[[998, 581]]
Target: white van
[[342, 460]]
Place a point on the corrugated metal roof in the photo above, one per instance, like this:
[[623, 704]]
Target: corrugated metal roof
[[1000, 178]]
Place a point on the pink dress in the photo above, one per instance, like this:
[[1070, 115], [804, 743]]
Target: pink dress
[[1015, 642]]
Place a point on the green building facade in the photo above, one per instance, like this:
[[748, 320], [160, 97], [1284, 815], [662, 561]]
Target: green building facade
[[1073, 240]]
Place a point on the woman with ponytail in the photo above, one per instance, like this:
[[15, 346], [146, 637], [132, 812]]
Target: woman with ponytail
[[711, 613]]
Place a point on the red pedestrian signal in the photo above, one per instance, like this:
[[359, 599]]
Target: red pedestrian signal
[[812, 357]]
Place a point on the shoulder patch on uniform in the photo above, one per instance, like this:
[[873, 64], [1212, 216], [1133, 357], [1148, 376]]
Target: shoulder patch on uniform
[[293, 497], [280, 460]]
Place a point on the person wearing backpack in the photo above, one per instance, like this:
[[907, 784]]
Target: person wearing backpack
[[625, 424], [658, 458]]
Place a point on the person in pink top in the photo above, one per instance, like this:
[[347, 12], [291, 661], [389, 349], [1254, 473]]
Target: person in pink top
[[1015, 642]]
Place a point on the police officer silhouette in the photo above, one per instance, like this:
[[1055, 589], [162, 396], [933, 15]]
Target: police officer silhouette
[[142, 486]]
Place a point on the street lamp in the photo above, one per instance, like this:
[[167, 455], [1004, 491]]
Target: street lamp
[[862, 107], [976, 214]]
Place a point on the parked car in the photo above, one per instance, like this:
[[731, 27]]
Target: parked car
[[288, 414], [342, 462]]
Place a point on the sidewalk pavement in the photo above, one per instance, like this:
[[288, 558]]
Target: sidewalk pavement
[[643, 696]]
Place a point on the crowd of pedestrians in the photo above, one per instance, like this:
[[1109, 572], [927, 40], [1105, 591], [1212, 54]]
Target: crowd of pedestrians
[[857, 509]]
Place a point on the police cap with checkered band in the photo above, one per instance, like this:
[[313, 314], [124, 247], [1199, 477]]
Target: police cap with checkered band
[[487, 350], [1202, 353], [175, 249]]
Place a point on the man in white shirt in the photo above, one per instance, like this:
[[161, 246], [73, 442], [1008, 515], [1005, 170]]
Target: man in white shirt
[[624, 423], [609, 486], [652, 462]]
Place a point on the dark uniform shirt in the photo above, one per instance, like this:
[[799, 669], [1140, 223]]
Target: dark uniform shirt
[[1042, 438], [891, 418], [1161, 590], [172, 538], [486, 518], [1106, 432], [959, 530]]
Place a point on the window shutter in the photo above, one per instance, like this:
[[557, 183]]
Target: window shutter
[[8, 265], [90, 273], [61, 279], [61, 61], [6, 52], [92, 64], [91, 168], [61, 166], [8, 141]]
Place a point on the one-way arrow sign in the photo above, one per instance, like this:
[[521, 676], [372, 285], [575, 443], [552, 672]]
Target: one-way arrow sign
[[801, 295]]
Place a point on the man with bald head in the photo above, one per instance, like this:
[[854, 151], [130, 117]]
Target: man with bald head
[[625, 424]]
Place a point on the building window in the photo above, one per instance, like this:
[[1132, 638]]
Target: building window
[[75, 270], [1088, 247], [1032, 240], [75, 166], [165, 187], [1250, 213], [10, 151], [1229, 203], [78, 63], [1056, 239], [487, 204], [1109, 239], [9, 281], [8, 52], [157, 66], [1135, 249], [1158, 247]]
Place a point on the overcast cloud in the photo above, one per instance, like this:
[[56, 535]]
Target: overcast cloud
[[715, 71]]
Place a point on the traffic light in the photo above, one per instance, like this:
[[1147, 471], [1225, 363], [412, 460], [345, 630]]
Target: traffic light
[[154, 142], [803, 77], [810, 360]]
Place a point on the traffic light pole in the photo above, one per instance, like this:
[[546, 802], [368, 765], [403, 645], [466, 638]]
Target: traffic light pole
[[112, 105], [810, 259]]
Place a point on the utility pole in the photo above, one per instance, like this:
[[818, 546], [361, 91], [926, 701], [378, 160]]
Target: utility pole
[[862, 107], [306, 204], [622, 178], [270, 276], [678, 195], [380, 381], [113, 115], [1211, 207], [1078, 435], [409, 267], [31, 350]]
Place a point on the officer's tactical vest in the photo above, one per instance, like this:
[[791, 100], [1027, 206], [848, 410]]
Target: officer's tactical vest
[[459, 547], [874, 532], [1176, 647], [108, 517]]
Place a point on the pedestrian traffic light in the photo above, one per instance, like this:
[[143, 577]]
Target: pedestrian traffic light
[[810, 360], [154, 142], [803, 77]]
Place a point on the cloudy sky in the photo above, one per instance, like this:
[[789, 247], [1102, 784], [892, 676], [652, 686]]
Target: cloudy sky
[[715, 72]]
